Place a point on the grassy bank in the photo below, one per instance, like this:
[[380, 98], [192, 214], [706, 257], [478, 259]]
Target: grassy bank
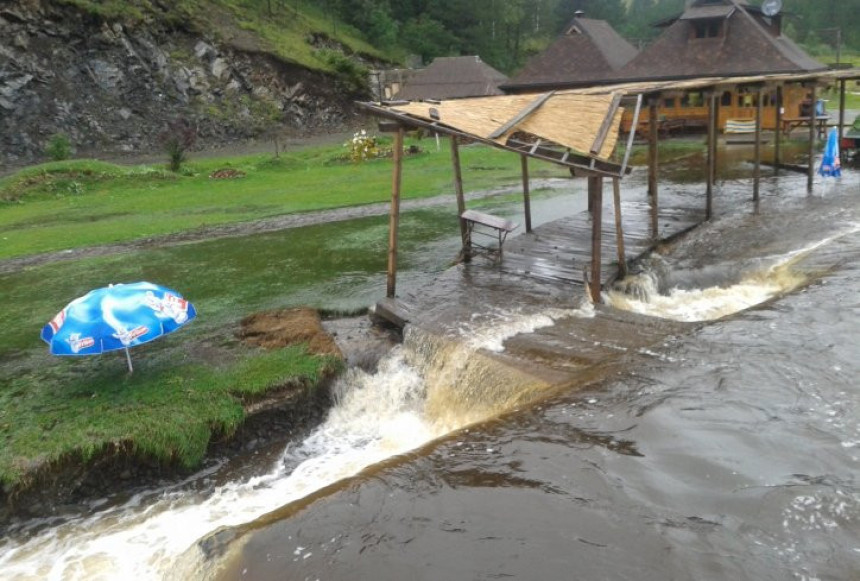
[[193, 383], [72, 204]]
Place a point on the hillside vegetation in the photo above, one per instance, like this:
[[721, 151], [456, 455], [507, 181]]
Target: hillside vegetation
[[287, 30]]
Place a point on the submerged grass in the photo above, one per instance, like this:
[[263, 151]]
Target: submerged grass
[[190, 384]]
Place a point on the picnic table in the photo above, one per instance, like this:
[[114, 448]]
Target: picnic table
[[791, 123], [499, 228]]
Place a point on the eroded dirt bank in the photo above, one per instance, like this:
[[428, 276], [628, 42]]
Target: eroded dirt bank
[[73, 487]]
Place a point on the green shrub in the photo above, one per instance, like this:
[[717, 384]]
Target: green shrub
[[176, 140], [350, 76], [59, 147]]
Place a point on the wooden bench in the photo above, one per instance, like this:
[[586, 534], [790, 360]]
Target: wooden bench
[[791, 123], [499, 228]]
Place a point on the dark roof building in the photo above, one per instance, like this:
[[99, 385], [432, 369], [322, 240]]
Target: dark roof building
[[453, 78], [718, 38], [586, 54]]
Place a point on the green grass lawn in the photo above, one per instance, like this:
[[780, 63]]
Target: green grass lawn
[[193, 383], [72, 204]]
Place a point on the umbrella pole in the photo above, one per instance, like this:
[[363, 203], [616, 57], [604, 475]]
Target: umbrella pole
[[128, 358]]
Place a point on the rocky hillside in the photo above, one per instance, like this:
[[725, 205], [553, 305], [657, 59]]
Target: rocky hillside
[[113, 85]]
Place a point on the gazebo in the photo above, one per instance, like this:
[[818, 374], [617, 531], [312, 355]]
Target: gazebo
[[578, 129]]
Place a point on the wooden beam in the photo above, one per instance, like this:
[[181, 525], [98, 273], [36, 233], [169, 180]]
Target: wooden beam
[[712, 156], [461, 200], [757, 149], [524, 162], [518, 118], [595, 194], [389, 126], [603, 132], [810, 171], [619, 229], [652, 165], [841, 109], [394, 215], [777, 133], [632, 135]]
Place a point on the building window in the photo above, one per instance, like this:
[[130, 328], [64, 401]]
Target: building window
[[707, 28], [692, 100], [726, 99], [669, 103]]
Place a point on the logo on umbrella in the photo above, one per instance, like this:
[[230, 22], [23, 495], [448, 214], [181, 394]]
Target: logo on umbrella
[[76, 342]]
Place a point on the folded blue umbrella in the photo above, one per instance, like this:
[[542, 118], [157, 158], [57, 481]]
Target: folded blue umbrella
[[116, 317], [830, 163]]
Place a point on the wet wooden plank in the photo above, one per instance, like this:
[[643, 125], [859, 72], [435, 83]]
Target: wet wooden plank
[[561, 250], [394, 311]]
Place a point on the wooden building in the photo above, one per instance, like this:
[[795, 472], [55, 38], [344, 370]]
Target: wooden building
[[452, 78], [710, 38], [723, 38], [584, 55]]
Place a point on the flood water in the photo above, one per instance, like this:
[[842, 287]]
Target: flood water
[[728, 452]]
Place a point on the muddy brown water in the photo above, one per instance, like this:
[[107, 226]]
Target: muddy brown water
[[727, 450]]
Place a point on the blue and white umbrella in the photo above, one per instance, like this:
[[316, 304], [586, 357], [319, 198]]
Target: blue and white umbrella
[[116, 317], [830, 163]]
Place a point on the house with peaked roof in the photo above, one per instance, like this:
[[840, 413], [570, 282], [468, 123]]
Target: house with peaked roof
[[584, 55], [723, 38], [453, 78]]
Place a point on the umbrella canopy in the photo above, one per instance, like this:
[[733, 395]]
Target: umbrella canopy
[[830, 164], [116, 317]]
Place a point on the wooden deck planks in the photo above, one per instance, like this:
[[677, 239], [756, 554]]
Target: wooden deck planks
[[561, 250]]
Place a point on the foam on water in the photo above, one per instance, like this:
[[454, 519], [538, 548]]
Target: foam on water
[[374, 417], [777, 276]]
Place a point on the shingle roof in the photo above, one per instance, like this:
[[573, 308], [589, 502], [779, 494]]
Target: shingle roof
[[587, 52], [747, 49], [707, 11], [453, 78]]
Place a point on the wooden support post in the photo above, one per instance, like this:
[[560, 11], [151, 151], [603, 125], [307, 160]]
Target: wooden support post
[[841, 110], [595, 193], [394, 216], [652, 165], [619, 229], [716, 152], [526, 194], [712, 155], [461, 199], [757, 148], [810, 171], [777, 132]]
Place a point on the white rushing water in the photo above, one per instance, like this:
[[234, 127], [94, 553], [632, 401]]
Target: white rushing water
[[374, 417], [776, 276]]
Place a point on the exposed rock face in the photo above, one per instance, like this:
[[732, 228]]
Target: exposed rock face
[[110, 88]]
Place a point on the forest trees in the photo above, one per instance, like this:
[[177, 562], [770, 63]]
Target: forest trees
[[506, 32]]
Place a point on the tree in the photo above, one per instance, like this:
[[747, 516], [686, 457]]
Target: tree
[[428, 38]]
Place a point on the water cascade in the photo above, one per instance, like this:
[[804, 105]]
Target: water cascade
[[661, 291], [423, 389]]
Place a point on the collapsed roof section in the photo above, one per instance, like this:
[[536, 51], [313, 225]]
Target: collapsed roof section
[[580, 131]]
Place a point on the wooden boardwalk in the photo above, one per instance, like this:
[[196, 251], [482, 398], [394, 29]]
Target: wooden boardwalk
[[561, 250], [556, 254]]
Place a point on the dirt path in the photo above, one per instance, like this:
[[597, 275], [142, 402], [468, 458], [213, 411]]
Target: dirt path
[[274, 224]]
